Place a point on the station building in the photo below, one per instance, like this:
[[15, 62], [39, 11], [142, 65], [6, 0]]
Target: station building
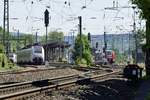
[[54, 49]]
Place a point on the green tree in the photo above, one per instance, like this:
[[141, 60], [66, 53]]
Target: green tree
[[54, 35], [86, 54], [144, 6], [141, 35]]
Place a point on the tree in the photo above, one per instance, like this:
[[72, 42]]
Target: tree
[[144, 6], [54, 35], [86, 54], [141, 35]]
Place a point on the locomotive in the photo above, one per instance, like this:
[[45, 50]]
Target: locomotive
[[110, 56], [32, 55]]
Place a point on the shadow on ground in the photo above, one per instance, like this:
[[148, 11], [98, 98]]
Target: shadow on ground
[[113, 89]]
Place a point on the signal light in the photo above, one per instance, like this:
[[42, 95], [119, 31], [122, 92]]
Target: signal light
[[128, 67], [96, 44], [46, 17], [136, 67]]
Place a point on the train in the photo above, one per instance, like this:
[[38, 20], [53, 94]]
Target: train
[[12, 57], [110, 56], [32, 55]]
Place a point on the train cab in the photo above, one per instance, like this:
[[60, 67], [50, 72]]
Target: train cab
[[110, 56]]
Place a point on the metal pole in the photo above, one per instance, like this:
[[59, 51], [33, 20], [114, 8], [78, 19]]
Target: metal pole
[[46, 57], [122, 49], [18, 41], [80, 28], [129, 44], [36, 37], [6, 24], [73, 40], [134, 31], [25, 42], [46, 34], [105, 43]]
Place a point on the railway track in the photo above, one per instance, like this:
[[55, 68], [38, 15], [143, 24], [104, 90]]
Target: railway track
[[29, 89], [45, 69]]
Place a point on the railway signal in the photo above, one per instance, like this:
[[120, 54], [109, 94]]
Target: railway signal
[[80, 30], [46, 20], [46, 17], [96, 45], [89, 37]]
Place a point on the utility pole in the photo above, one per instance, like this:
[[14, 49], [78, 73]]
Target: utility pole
[[18, 40], [134, 32], [105, 42], [6, 25], [36, 37], [80, 28], [46, 20]]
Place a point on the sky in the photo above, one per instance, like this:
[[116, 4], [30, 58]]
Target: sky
[[64, 16]]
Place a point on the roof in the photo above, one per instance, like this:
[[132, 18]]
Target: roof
[[50, 43]]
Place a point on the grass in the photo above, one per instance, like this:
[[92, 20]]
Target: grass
[[148, 97], [144, 78], [9, 67]]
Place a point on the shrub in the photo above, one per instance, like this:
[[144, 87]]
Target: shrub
[[86, 54], [3, 62], [2, 48]]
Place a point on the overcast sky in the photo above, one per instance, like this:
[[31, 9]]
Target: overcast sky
[[64, 16]]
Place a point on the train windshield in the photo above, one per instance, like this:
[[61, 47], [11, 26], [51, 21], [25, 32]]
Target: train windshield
[[11, 55], [37, 50], [108, 53]]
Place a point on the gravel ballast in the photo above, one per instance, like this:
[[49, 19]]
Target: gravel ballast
[[115, 88], [32, 76]]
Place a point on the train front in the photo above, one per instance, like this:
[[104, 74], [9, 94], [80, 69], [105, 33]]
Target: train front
[[110, 56], [38, 55]]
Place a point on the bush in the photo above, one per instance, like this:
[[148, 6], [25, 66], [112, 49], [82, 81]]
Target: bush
[[148, 97], [2, 48], [83, 62], [86, 54], [3, 62]]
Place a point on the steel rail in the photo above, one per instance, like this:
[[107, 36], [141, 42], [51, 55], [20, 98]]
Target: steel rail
[[39, 90], [45, 69], [16, 86]]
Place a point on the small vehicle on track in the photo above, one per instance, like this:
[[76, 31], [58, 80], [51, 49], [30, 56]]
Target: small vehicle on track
[[132, 71]]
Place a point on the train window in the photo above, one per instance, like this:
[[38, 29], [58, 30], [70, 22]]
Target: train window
[[109, 53], [38, 51], [11, 55]]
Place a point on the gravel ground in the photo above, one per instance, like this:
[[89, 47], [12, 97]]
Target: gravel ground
[[31, 76], [115, 88]]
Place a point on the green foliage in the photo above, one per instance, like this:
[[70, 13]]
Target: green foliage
[[86, 54], [141, 35], [14, 44], [30, 39], [3, 62], [2, 48], [54, 35], [148, 97], [144, 5]]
